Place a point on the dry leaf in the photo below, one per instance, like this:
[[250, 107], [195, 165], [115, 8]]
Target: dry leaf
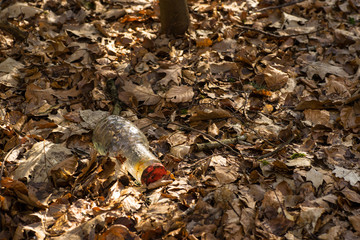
[[9, 69], [205, 42], [200, 114], [223, 67], [142, 93], [349, 175], [323, 68], [17, 9], [173, 73], [39, 160], [315, 177], [321, 117], [178, 94], [275, 78]]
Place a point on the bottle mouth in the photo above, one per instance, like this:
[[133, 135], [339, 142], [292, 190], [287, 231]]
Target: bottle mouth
[[153, 173]]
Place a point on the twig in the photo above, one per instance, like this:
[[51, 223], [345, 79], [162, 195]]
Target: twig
[[229, 203], [275, 35], [189, 128], [280, 6], [198, 131], [13, 30], [186, 127], [278, 149], [212, 144], [281, 206], [2, 169], [247, 94]]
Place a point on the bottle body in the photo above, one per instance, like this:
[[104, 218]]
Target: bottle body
[[121, 139]]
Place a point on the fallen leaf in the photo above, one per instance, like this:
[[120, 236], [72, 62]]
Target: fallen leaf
[[19, 8], [349, 175], [118, 231], [222, 67], [205, 42], [9, 69], [39, 160], [351, 195], [350, 119], [200, 114], [299, 162], [142, 93], [322, 69], [218, 161], [178, 94], [173, 73], [321, 117], [355, 222], [315, 177], [309, 217], [275, 78]]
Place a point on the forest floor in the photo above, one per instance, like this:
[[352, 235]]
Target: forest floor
[[255, 113]]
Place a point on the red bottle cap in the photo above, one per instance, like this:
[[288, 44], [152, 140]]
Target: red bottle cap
[[153, 173]]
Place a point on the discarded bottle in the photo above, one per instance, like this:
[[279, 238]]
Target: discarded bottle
[[121, 139]]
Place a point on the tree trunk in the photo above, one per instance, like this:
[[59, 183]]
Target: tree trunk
[[174, 16]]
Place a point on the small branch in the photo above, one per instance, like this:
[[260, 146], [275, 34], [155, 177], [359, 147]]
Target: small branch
[[232, 207], [280, 203], [2, 169], [202, 133], [276, 35], [278, 149], [213, 144], [280, 6], [13, 30]]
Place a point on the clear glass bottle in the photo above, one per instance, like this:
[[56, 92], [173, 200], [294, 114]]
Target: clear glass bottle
[[121, 139]]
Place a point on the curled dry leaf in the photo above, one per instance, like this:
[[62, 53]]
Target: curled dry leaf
[[275, 78], [8, 71], [142, 93], [178, 94], [201, 113], [350, 119], [21, 191], [118, 231], [222, 67]]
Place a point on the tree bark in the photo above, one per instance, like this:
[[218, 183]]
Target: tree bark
[[174, 17]]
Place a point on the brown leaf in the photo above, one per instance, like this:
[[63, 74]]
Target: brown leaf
[[351, 195], [178, 94], [349, 119], [142, 93], [321, 117], [118, 231], [315, 177], [200, 113], [275, 78], [204, 42], [323, 68], [280, 224], [309, 217], [355, 222], [62, 172], [21, 191], [173, 73]]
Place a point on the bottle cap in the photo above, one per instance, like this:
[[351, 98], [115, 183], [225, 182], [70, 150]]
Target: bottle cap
[[153, 173]]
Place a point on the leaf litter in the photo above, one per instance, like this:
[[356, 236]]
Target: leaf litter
[[285, 76]]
